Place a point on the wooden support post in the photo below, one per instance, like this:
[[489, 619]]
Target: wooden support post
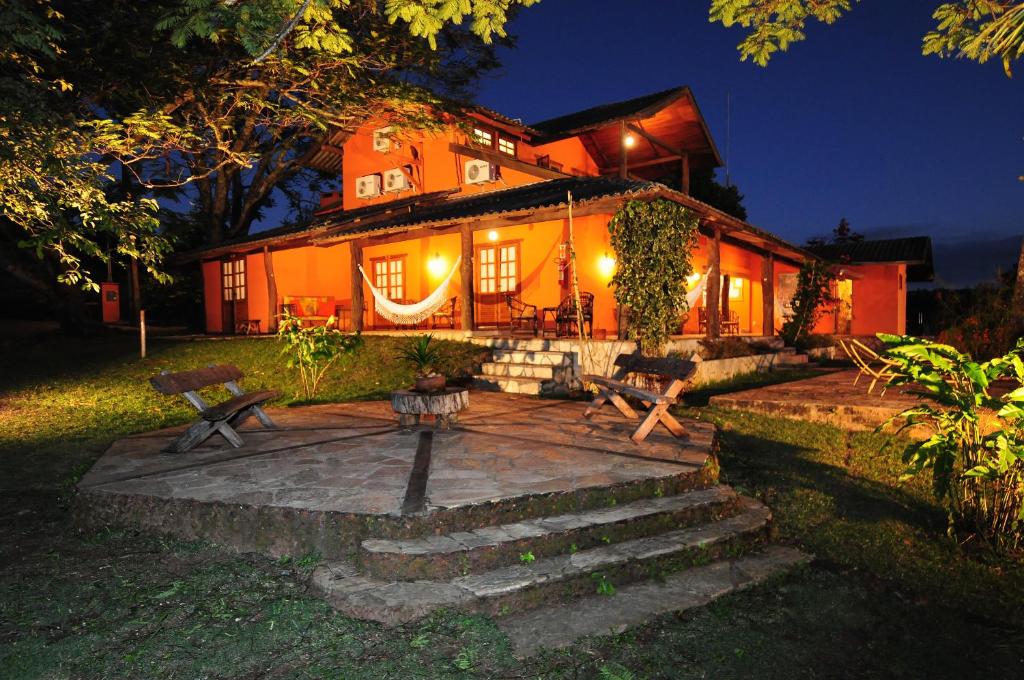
[[136, 297], [623, 170], [272, 307], [686, 174], [466, 276], [142, 333], [714, 285], [726, 282], [768, 294], [356, 252]]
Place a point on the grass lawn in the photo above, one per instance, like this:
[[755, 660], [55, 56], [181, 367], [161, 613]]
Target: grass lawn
[[889, 595]]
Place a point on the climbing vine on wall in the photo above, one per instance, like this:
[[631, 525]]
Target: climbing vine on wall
[[653, 242], [813, 294]]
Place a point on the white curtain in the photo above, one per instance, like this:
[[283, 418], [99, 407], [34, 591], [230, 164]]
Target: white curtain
[[416, 312]]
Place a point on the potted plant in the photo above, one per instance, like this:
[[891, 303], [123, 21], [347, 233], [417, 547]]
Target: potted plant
[[423, 356]]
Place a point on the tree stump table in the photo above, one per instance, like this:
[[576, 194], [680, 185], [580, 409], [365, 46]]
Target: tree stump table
[[444, 406]]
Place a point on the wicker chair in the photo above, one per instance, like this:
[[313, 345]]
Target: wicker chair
[[445, 316], [566, 317], [521, 315]]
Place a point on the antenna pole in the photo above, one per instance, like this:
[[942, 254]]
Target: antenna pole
[[728, 135]]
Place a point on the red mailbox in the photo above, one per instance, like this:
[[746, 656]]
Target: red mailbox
[[110, 295]]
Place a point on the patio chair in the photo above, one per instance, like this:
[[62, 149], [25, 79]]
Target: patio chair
[[521, 314], [732, 325], [445, 316], [677, 371], [702, 320], [566, 317]]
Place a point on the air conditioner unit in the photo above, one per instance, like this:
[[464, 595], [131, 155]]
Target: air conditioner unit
[[396, 180], [382, 140], [479, 172], [368, 186]]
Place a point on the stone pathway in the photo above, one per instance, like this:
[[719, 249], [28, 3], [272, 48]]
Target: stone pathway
[[831, 398]]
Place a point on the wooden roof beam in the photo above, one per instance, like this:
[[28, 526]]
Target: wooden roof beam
[[655, 140]]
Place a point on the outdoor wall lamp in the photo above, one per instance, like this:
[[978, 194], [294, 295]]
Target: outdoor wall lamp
[[437, 266], [606, 265]]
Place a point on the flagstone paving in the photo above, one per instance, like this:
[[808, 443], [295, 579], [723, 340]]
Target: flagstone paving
[[833, 398], [522, 504], [352, 458]]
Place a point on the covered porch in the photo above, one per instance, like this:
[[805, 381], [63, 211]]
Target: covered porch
[[510, 243]]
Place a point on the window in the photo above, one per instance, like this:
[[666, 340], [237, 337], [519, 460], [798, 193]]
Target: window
[[389, 276], [233, 279], [507, 269], [499, 269], [484, 137], [487, 278], [735, 288], [507, 146]]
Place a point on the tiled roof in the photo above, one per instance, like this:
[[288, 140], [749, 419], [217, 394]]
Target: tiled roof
[[606, 113], [545, 194], [915, 251]]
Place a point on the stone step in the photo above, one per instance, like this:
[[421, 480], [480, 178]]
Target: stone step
[[510, 370], [561, 625], [528, 344], [494, 383], [545, 580], [439, 557], [544, 358]]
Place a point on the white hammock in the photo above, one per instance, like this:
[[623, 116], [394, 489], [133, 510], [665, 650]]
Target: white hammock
[[416, 312], [692, 297]]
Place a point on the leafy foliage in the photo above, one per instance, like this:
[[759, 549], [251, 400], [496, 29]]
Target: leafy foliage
[[57, 200], [421, 355], [979, 30], [976, 451], [313, 350], [813, 293], [652, 242]]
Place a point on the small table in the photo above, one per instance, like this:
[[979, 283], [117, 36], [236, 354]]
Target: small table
[[444, 406], [553, 311]]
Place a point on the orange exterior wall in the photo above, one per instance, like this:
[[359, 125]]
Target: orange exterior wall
[[436, 168], [879, 299], [211, 295]]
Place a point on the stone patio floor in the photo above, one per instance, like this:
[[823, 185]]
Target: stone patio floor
[[353, 458], [832, 398]]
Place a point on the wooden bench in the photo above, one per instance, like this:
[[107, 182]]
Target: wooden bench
[[223, 417], [613, 389]]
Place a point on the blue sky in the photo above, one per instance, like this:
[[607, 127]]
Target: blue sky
[[853, 122]]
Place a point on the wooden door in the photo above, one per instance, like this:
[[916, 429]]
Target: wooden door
[[388, 275], [234, 294], [498, 272]]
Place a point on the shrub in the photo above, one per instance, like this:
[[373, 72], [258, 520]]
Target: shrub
[[730, 348], [652, 243], [976, 451], [815, 341], [313, 350], [982, 322]]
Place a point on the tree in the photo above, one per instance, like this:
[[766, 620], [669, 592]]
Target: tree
[[704, 186], [979, 30], [212, 102], [843, 233]]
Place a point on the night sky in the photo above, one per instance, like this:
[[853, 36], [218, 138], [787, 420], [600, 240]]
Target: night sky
[[854, 122]]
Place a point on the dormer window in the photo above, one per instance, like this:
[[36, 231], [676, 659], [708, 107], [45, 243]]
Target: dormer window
[[483, 137], [507, 146]]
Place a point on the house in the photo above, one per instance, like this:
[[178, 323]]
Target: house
[[494, 192], [871, 283]]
